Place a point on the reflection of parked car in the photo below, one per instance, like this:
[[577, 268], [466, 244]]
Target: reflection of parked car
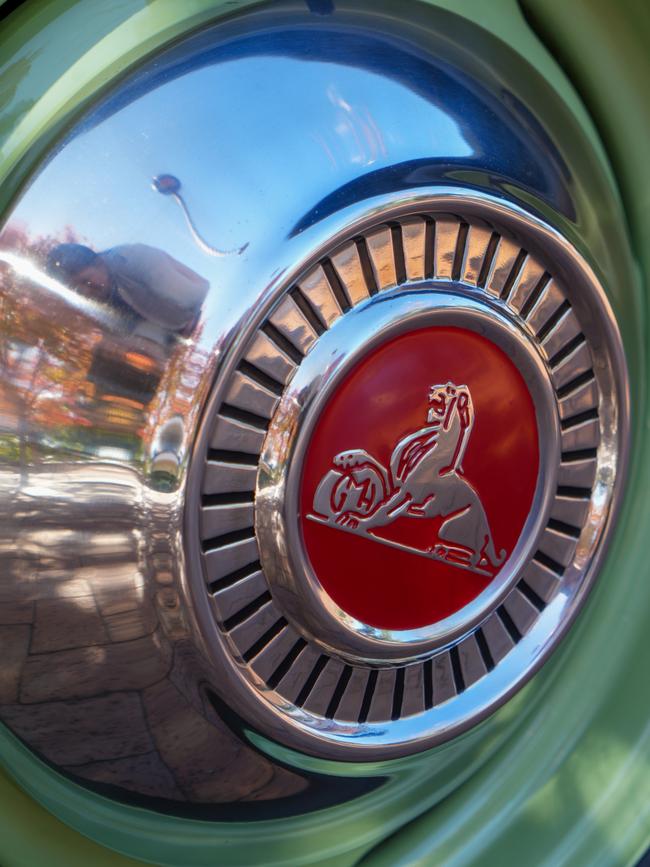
[[154, 298], [179, 683]]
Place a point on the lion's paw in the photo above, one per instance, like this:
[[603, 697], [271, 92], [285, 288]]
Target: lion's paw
[[347, 519]]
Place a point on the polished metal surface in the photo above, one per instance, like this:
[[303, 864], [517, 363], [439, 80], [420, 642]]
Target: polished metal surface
[[341, 686], [276, 502], [287, 129]]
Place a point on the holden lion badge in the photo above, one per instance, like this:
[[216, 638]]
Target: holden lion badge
[[409, 463], [424, 479]]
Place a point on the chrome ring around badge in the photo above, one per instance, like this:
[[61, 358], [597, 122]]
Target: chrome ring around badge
[[292, 578], [302, 665]]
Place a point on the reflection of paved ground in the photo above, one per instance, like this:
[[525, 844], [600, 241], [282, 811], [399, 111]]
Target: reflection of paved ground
[[89, 676]]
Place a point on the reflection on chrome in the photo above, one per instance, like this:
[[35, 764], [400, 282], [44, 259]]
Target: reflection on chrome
[[100, 371], [169, 185], [115, 321], [24, 268]]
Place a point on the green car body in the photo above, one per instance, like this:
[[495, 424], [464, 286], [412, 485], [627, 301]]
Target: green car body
[[560, 774]]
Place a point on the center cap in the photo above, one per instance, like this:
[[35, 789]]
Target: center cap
[[409, 461], [419, 477], [400, 487]]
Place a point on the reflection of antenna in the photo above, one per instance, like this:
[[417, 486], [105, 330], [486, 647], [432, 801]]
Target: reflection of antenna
[[169, 185]]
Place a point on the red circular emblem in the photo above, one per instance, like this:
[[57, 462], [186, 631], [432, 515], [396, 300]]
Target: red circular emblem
[[418, 478]]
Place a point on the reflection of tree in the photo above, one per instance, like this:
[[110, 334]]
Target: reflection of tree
[[73, 383], [45, 353]]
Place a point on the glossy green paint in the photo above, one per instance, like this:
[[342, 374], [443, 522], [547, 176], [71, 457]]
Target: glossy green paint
[[560, 774]]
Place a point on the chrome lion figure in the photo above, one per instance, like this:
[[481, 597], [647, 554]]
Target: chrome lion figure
[[424, 480]]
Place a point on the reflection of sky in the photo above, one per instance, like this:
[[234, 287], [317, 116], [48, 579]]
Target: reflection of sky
[[269, 133], [245, 137]]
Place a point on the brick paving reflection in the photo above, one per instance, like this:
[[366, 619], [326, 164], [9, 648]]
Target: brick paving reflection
[[90, 678]]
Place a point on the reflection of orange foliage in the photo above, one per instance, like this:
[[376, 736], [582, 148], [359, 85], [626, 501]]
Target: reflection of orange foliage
[[47, 350], [44, 358]]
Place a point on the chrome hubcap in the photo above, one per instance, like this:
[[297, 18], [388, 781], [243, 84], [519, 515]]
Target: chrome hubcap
[[340, 685]]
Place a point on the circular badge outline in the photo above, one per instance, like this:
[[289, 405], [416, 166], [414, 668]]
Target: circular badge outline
[[366, 327], [291, 725]]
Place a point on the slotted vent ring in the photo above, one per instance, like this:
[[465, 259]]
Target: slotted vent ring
[[329, 703]]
